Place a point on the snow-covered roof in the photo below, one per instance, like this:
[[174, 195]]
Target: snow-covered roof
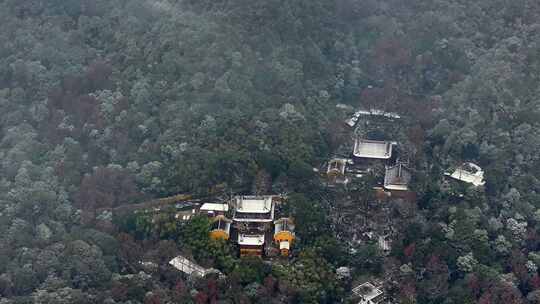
[[469, 173], [364, 148], [371, 112], [368, 293], [187, 267], [377, 112], [254, 204], [215, 207], [251, 240]]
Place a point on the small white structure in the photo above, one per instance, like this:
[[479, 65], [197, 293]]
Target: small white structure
[[384, 244], [469, 173], [343, 106], [336, 170], [343, 272], [372, 149], [397, 178], [213, 209], [188, 267], [185, 215], [284, 246], [368, 293], [336, 166], [351, 122]]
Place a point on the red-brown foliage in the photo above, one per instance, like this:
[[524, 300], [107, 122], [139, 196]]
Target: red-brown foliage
[[474, 285], [501, 293], [106, 188], [180, 290], [153, 299], [407, 291], [201, 298], [130, 252], [270, 284], [534, 282], [97, 75], [409, 250], [392, 52], [71, 99]]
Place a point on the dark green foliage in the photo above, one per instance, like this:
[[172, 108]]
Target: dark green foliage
[[250, 270], [312, 277], [195, 236], [309, 217]]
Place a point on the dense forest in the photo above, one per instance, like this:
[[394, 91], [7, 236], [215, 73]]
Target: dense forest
[[107, 103]]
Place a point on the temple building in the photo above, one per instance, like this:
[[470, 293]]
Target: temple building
[[221, 228], [251, 244], [372, 149], [284, 235], [185, 212], [368, 293], [372, 113], [468, 173], [253, 218], [378, 112], [397, 178], [190, 268], [336, 171]]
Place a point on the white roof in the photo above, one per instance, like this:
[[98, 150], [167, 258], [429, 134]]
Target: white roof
[[364, 148], [371, 112], [187, 267], [284, 245], [252, 219], [215, 207], [377, 112], [252, 204], [251, 240], [469, 173], [396, 187]]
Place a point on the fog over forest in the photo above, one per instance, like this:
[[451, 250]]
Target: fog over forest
[[299, 151]]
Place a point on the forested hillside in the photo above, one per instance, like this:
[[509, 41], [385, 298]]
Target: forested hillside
[[107, 103]]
